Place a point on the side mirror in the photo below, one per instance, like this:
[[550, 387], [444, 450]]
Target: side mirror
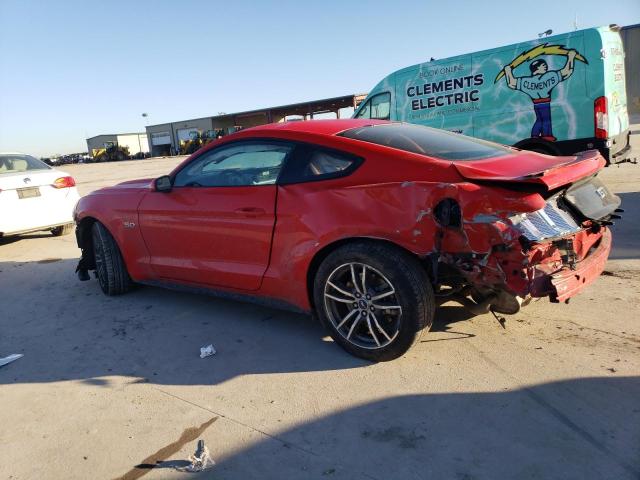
[[163, 184]]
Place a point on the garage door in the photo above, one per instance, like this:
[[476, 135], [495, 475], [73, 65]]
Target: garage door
[[161, 138], [186, 134]]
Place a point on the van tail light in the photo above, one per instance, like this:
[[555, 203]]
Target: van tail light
[[64, 182], [601, 118]]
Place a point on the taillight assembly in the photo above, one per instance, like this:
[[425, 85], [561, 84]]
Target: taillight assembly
[[64, 182], [600, 117]]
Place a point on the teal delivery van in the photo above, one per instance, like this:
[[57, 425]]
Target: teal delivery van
[[558, 95]]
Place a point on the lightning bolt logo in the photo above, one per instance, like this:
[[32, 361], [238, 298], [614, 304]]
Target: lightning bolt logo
[[536, 51]]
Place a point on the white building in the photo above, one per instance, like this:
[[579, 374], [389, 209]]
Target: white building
[[136, 142]]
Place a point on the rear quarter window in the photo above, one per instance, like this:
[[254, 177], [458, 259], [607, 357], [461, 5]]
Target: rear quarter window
[[427, 141], [310, 163]]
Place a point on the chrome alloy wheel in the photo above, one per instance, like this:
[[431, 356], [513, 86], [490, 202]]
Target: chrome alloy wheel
[[362, 305]]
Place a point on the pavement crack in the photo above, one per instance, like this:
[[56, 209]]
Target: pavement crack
[[628, 337]]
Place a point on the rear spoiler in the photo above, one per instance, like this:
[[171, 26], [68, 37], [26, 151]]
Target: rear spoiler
[[583, 165]]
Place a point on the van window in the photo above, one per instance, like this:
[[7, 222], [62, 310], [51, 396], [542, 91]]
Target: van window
[[427, 141], [377, 107]]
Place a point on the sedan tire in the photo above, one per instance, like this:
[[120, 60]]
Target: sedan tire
[[110, 267], [374, 299]]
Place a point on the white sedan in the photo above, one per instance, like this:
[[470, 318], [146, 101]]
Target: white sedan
[[34, 196]]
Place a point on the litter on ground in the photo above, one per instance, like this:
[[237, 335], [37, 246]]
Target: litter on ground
[[11, 358], [201, 460], [207, 351]]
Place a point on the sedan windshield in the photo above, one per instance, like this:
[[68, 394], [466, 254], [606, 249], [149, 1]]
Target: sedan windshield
[[16, 163], [427, 141]]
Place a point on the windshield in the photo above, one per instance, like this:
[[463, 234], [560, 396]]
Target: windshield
[[427, 141], [16, 163]]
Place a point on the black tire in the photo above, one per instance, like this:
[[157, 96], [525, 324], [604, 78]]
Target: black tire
[[62, 230], [110, 267], [405, 276], [544, 147]]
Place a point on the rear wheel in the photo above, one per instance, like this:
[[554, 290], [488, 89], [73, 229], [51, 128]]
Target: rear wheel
[[374, 299], [62, 230], [110, 267]]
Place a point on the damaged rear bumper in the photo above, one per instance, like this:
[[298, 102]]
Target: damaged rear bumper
[[557, 270], [559, 278], [568, 281]]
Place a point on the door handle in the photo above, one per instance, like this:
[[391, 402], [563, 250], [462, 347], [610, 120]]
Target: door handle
[[250, 211]]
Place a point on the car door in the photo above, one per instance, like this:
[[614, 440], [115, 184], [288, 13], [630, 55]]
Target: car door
[[214, 227]]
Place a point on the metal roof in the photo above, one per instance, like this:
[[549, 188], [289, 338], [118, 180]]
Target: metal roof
[[116, 134], [301, 108]]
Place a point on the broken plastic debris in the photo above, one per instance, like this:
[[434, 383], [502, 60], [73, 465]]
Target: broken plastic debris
[[11, 358], [207, 351], [200, 460]]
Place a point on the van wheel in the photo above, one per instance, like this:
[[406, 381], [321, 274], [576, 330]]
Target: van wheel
[[110, 267], [544, 147], [374, 299], [540, 150]]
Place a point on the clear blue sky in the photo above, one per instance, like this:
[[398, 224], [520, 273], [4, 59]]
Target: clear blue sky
[[74, 69]]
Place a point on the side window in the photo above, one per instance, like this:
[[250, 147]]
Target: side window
[[365, 111], [322, 162], [309, 163], [235, 165], [381, 106], [377, 107]]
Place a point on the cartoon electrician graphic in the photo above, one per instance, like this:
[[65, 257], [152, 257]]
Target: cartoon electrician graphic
[[541, 82]]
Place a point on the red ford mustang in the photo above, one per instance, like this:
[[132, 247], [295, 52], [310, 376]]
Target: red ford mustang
[[368, 224]]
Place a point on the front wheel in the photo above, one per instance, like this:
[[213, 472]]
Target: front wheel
[[110, 267], [374, 299]]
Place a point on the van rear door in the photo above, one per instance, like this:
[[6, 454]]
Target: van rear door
[[615, 90]]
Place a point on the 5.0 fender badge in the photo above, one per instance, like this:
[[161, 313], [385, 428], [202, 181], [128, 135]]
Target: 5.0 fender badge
[[129, 224]]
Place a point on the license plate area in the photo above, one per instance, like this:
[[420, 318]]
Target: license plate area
[[592, 199], [28, 192]]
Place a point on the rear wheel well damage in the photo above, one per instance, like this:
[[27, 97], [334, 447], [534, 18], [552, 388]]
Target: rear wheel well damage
[[321, 254]]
